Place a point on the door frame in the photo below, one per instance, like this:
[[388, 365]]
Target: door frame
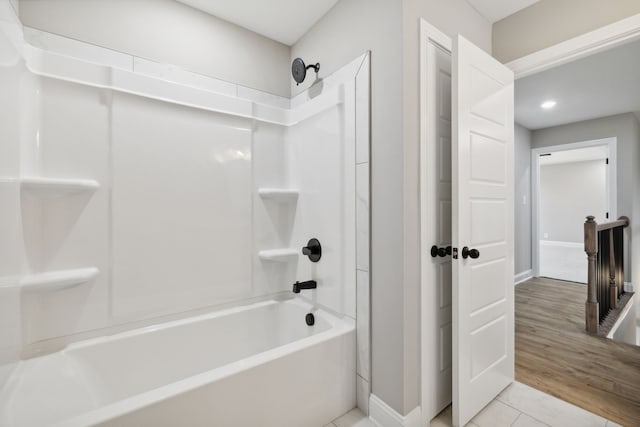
[[601, 39], [612, 187], [428, 35]]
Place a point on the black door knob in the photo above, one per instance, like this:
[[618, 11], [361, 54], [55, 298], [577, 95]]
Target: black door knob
[[470, 253], [313, 250], [441, 252]]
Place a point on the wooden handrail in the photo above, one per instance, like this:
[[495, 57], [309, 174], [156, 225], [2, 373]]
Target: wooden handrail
[[623, 222], [604, 247]]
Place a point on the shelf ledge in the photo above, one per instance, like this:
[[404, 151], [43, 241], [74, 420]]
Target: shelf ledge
[[278, 255], [55, 187], [278, 194], [57, 280]]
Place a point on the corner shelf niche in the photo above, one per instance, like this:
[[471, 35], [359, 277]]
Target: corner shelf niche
[[57, 280], [279, 194], [278, 255], [55, 187]]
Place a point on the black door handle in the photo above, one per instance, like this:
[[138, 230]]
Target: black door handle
[[441, 252], [472, 253]]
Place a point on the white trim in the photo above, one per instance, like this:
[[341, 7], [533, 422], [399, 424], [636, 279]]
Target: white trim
[[428, 34], [559, 243], [623, 317], [383, 415], [523, 277], [628, 287], [607, 37], [612, 185]]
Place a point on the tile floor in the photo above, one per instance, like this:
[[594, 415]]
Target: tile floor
[[517, 406]]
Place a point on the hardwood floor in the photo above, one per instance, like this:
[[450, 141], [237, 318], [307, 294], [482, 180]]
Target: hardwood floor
[[555, 355]]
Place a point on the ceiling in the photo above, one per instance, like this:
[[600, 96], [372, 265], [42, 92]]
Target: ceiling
[[281, 20], [600, 85], [495, 10], [572, 156]]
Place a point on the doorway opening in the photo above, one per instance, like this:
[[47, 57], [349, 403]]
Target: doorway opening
[[569, 183]]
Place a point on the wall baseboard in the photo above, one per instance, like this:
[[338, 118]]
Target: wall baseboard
[[628, 287], [523, 277], [383, 415]]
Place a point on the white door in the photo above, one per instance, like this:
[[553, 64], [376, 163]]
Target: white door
[[482, 212], [436, 222]]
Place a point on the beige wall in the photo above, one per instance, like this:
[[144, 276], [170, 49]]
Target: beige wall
[[550, 22], [169, 32], [568, 193]]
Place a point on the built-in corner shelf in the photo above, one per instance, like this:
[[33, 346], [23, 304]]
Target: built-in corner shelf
[[57, 280], [278, 194], [55, 187], [278, 255]]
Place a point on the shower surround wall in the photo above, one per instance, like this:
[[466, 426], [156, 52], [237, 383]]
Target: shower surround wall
[[131, 199]]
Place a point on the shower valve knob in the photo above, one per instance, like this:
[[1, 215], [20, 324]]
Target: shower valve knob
[[313, 250]]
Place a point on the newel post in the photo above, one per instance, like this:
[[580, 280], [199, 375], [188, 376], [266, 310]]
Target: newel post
[[592, 314]]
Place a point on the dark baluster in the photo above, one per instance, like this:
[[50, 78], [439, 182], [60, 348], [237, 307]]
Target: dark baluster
[[613, 286], [591, 248]]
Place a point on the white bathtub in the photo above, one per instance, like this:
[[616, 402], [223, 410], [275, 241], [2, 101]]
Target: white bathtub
[[255, 365]]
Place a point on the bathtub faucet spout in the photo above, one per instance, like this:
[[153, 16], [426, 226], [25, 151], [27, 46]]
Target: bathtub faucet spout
[[309, 284]]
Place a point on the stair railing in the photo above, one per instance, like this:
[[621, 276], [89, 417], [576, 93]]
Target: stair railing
[[604, 245]]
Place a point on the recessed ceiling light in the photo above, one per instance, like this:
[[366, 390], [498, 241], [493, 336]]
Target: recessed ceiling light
[[548, 104]]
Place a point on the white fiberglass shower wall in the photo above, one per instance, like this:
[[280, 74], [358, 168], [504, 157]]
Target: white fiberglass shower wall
[[130, 199]]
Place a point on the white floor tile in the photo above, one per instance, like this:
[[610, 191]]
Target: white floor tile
[[443, 419], [548, 409], [355, 418], [525, 420], [496, 414]]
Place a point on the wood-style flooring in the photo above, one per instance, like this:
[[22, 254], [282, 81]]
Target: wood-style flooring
[[555, 355]]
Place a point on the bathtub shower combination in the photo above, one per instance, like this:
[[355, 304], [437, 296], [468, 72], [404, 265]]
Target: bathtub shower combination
[[154, 223]]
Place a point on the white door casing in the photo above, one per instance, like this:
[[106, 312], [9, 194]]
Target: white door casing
[[435, 187], [483, 299]]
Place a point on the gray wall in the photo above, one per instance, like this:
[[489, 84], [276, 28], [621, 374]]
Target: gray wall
[[390, 30], [346, 31], [627, 130], [450, 17], [549, 22], [169, 32], [568, 193], [522, 163]]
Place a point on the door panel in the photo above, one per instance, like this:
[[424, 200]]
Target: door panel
[[436, 206], [482, 211]]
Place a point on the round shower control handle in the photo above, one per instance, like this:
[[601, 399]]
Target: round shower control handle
[[470, 253], [313, 250]]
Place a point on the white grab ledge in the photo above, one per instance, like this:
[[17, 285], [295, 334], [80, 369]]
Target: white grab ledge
[[57, 280], [54, 187], [278, 255], [278, 194]]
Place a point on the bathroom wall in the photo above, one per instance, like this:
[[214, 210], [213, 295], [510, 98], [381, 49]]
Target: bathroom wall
[[168, 32], [344, 32], [390, 30], [522, 217], [11, 247], [165, 205], [549, 22]]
